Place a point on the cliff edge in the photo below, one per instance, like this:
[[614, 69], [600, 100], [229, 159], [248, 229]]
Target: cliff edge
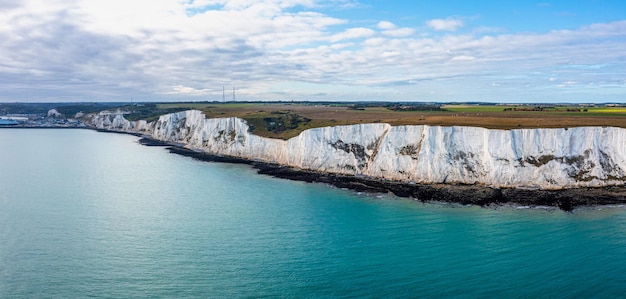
[[543, 159]]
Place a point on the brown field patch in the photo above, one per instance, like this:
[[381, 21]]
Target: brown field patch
[[331, 115]]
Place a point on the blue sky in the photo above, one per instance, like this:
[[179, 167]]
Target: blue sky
[[316, 50]]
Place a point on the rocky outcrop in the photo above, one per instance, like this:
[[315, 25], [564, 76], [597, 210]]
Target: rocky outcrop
[[115, 121], [524, 158], [535, 158], [53, 113]]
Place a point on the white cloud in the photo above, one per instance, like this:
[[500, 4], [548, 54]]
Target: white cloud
[[353, 33], [448, 24], [463, 58], [399, 32], [186, 90], [390, 29], [386, 25], [86, 50]]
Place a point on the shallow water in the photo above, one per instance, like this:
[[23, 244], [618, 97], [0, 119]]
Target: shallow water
[[86, 214]]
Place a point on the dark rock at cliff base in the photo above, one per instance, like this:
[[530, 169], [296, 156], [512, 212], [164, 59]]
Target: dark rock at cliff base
[[206, 157], [566, 199], [152, 142], [117, 132]]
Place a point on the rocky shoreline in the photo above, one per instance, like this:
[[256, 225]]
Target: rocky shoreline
[[565, 199]]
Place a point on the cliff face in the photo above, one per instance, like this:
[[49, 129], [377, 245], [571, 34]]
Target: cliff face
[[541, 158], [117, 122], [536, 158]]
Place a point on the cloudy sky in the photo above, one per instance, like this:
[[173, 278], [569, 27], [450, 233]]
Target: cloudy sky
[[317, 50]]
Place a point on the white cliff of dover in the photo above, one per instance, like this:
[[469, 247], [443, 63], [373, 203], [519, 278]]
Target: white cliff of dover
[[535, 158]]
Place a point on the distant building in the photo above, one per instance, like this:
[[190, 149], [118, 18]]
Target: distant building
[[54, 113], [8, 122]]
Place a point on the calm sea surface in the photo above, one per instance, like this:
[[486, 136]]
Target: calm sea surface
[[88, 214]]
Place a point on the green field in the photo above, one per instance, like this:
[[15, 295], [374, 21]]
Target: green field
[[285, 120], [547, 109]]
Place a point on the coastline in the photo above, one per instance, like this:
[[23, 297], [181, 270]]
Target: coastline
[[481, 195], [43, 127], [484, 196]]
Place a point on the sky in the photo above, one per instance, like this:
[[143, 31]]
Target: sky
[[313, 50]]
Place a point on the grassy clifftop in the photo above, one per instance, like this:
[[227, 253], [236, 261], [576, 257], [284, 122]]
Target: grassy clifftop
[[285, 120]]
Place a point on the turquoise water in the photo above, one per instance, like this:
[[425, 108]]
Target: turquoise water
[[88, 214]]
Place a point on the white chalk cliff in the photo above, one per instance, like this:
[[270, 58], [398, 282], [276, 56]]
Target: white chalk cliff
[[535, 158]]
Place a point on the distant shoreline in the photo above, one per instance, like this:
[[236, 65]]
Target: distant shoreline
[[41, 127], [564, 199]]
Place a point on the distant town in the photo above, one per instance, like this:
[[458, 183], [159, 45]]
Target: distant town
[[52, 119], [285, 119]]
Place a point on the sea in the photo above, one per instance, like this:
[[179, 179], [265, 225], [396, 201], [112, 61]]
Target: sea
[[86, 214]]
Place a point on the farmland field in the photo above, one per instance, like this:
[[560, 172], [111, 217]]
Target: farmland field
[[285, 120]]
